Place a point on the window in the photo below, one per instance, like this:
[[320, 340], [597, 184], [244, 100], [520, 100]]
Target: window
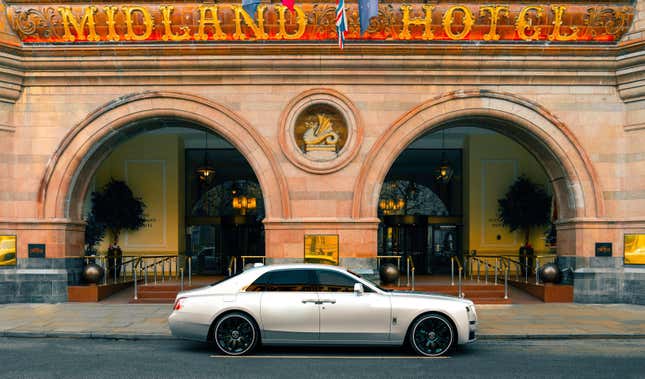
[[285, 281], [332, 281], [260, 283]]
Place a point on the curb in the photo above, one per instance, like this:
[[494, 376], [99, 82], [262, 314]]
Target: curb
[[87, 335], [587, 336], [166, 337]]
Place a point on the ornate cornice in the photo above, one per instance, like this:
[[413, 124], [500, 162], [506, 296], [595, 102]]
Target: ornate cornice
[[441, 62], [630, 74], [11, 81]]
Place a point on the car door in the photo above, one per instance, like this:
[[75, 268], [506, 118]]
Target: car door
[[346, 317], [289, 307]]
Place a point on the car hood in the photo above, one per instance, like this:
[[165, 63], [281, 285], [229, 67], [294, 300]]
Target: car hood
[[429, 296]]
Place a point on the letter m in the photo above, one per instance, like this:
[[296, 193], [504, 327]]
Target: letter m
[[68, 19]]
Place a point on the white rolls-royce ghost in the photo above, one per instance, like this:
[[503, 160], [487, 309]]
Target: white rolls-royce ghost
[[308, 304]]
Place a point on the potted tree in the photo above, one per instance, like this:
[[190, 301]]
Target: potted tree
[[117, 209], [94, 233], [524, 206]]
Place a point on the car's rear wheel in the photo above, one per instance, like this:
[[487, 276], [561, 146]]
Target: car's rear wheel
[[235, 334], [432, 335]]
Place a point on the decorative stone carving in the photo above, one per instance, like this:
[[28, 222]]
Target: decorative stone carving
[[320, 137], [320, 131]]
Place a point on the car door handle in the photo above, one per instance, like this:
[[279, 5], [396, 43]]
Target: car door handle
[[311, 301], [328, 301]]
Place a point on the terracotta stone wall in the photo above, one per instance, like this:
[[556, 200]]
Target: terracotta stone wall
[[594, 150], [578, 109]]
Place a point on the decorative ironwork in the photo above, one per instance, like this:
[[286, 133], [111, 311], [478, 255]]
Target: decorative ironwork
[[601, 20], [33, 22], [323, 20]]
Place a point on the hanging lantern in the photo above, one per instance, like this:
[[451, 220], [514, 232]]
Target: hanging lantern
[[205, 172], [389, 206], [244, 203], [444, 172]]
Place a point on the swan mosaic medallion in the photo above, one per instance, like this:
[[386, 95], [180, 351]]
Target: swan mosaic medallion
[[320, 132]]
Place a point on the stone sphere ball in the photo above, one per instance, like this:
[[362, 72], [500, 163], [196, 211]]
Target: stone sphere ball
[[550, 273], [389, 273], [93, 273]]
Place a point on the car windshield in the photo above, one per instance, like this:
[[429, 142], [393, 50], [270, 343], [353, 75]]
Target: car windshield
[[371, 281]]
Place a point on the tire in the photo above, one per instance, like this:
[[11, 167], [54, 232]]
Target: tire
[[235, 334], [432, 335]]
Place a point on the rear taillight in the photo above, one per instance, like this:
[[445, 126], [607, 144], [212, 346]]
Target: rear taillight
[[179, 303]]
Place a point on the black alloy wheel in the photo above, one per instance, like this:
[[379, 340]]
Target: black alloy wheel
[[432, 335], [235, 334]]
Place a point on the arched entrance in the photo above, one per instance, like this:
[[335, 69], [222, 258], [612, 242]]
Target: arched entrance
[[440, 199], [68, 176], [548, 140]]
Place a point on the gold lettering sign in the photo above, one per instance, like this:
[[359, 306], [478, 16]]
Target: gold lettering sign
[[467, 19], [494, 13], [79, 26], [167, 24], [396, 22]]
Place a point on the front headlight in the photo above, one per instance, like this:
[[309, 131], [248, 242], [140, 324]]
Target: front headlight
[[470, 312]]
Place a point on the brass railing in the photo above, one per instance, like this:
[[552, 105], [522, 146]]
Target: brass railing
[[460, 270], [504, 264], [232, 266], [245, 257], [409, 264], [494, 263]]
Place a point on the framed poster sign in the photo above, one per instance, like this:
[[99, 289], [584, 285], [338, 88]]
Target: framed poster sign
[[7, 251], [321, 248], [635, 249], [36, 250], [603, 249]]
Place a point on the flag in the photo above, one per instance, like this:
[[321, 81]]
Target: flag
[[289, 4], [366, 10], [341, 22], [250, 6]]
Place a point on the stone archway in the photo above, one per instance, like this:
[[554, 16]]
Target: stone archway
[[569, 169], [68, 173]]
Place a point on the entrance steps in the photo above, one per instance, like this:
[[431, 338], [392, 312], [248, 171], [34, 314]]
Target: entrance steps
[[159, 293], [478, 293], [165, 292]]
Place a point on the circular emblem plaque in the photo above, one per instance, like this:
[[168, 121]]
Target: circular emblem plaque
[[320, 132]]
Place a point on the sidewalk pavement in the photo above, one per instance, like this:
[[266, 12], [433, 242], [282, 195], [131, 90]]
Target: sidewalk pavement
[[149, 321]]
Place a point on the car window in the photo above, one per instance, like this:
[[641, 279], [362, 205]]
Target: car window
[[285, 281], [333, 281], [260, 284]]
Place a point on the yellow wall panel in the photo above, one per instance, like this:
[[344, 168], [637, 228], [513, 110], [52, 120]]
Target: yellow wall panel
[[492, 163], [148, 177], [151, 166]]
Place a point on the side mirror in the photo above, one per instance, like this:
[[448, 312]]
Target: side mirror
[[358, 289]]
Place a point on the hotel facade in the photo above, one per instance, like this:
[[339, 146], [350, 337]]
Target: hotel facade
[[399, 144]]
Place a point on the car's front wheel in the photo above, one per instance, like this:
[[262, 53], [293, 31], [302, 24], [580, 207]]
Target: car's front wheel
[[432, 335], [235, 334]]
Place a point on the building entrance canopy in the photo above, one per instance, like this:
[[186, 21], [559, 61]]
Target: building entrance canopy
[[41, 21]]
